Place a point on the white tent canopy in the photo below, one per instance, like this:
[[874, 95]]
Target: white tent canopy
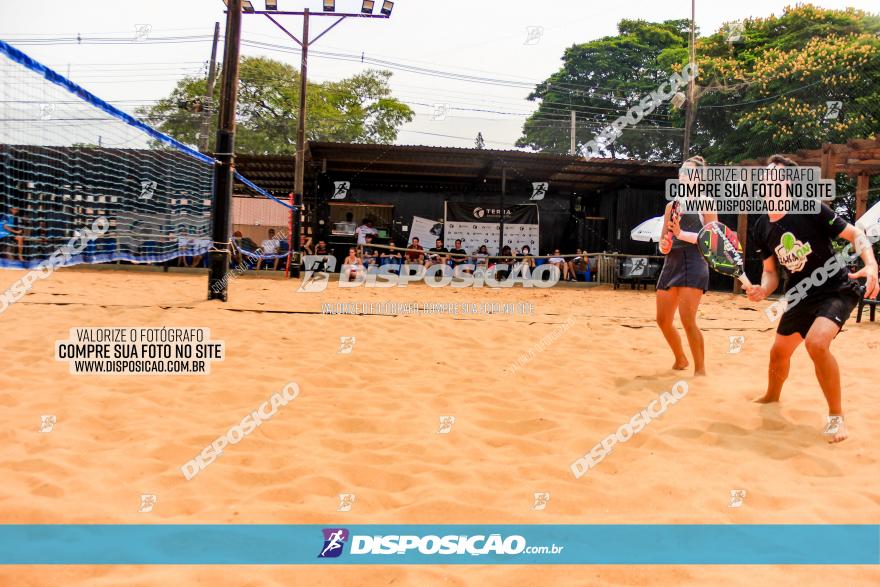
[[870, 218], [648, 231]]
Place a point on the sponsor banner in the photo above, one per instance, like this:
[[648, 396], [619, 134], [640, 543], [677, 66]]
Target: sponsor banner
[[477, 225], [240, 544], [426, 230]]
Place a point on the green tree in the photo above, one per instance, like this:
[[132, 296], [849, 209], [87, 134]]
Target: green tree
[[359, 109], [768, 93], [763, 94], [600, 80]]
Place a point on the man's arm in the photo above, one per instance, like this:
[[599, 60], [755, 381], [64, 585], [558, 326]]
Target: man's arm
[[769, 281], [864, 250], [11, 229]]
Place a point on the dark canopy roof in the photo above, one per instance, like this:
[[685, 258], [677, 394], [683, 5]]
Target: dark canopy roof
[[383, 165]]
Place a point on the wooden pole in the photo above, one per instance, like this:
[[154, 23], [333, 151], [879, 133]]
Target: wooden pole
[[300, 170], [827, 168], [208, 107], [225, 155], [691, 112], [503, 193], [862, 194]]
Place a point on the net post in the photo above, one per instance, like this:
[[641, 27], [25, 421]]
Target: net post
[[289, 237], [296, 229], [223, 171]]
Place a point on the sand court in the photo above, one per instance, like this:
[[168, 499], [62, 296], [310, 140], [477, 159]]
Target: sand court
[[529, 393]]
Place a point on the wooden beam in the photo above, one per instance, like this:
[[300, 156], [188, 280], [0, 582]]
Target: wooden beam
[[862, 194], [827, 171]]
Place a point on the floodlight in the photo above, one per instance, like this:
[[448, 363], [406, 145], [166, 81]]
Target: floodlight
[[367, 6], [271, 4], [246, 6], [387, 7], [329, 5]]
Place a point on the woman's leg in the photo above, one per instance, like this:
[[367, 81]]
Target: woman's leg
[[667, 303], [688, 303]]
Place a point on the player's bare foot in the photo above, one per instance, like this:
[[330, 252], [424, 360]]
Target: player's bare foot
[[701, 372], [767, 399], [835, 429], [680, 364]]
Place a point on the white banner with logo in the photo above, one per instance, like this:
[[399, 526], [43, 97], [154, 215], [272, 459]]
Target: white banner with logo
[[477, 225], [426, 230]]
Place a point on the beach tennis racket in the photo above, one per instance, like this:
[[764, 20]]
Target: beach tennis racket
[[722, 250], [675, 212]]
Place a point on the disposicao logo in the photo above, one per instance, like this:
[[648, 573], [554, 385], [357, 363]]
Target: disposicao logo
[[334, 541]]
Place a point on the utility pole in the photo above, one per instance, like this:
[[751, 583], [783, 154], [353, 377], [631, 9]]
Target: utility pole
[[691, 113], [305, 43], [225, 155], [573, 150], [300, 171], [208, 107]]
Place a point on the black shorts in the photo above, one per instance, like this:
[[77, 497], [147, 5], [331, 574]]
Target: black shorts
[[836, 305]]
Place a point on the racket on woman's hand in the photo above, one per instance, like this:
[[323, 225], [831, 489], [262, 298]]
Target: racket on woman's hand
[[674, 215], [720, 246], [675, 212]]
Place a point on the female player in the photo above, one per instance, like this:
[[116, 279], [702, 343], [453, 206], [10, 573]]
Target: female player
[[684, 278]]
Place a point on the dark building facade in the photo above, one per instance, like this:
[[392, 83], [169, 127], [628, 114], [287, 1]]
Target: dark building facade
[[588, 204]]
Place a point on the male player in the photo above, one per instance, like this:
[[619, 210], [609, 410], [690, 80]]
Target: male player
[[802, 243]]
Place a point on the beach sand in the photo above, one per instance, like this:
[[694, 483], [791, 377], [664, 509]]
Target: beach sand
[[367, 423]]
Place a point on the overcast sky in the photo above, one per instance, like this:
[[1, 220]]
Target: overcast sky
[[516, 41]]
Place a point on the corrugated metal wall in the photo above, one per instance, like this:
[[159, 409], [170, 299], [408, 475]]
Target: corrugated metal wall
[[253, 217], [626, 209], [258, 212]]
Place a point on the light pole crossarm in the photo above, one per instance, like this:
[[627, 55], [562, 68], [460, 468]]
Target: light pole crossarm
[[337, 14], [286, 32], [327, 30]]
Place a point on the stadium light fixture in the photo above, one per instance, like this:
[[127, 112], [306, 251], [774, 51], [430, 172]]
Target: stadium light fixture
[[367, 6], [271, 4], [329, 5], [387, 7], [247, 6]]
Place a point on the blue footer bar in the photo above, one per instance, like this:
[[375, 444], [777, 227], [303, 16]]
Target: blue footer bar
[[685, 544]]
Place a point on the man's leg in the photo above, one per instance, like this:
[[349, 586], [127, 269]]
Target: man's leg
[[667, 303], [780, 363], [818, 343]]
